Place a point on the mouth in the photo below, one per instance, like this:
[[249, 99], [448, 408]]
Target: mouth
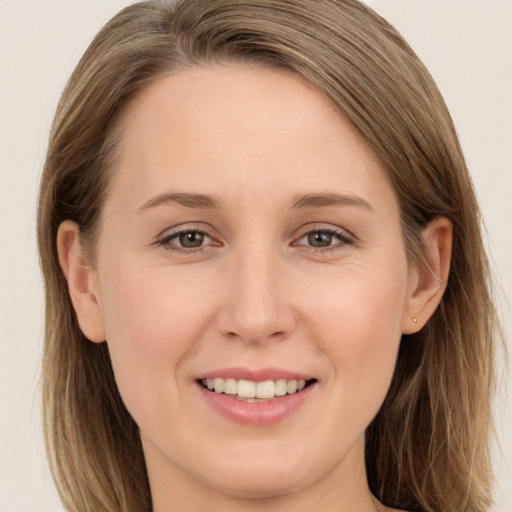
[[253, 391]]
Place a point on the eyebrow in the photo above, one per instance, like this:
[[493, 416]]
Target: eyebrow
[[303, 201], [201, 201], [329, 199]]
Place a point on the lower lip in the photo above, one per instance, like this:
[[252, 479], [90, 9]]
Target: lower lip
[[256, 413]]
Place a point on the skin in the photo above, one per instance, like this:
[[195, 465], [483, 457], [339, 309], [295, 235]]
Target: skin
[[255, 292]]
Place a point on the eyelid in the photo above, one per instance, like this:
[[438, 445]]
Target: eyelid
[[345, 237], [165, 237]]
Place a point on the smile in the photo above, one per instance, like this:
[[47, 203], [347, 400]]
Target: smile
[[252, 391], [256, 396]]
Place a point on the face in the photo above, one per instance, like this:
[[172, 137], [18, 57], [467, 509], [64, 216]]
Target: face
[[252, 281]]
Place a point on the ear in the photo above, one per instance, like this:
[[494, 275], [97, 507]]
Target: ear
[[427, 284], [82, 283]]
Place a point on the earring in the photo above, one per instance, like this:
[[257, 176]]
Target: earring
[[415, 320]]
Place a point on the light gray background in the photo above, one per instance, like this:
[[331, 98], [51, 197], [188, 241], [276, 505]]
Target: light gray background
[[467, 45]]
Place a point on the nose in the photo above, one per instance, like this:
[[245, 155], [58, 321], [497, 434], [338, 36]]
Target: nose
[[256, 304]]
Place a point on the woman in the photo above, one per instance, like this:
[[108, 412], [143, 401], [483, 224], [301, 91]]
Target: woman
[[266, 286]]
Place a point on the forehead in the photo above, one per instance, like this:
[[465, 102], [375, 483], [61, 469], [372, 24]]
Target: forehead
[[246, 124]]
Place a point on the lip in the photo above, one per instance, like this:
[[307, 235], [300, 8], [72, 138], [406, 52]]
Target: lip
[[264, 413], [255, 374]]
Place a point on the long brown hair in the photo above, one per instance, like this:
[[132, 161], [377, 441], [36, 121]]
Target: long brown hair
[[427, 449]]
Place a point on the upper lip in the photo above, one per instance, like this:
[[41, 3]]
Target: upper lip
[[255, 374]]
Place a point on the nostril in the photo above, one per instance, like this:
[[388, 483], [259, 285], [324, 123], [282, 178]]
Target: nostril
[[256, 337], [250, 318]]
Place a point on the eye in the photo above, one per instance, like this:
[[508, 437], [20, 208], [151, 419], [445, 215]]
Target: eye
[[319, 238], [325, 239], [185, 240]]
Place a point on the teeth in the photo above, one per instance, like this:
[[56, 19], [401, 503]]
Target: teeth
[[281, 387], [291, 387], [230, 387], [265, 389], [246, 389], [251, 391], [219, 385]]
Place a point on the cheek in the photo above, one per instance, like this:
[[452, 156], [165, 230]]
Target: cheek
[[152, 321], [358, 329]]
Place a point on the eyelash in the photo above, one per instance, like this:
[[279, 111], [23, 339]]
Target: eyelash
[[166, 241], [343, 239]]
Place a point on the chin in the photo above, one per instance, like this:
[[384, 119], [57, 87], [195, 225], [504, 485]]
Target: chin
[[267, 485], [261, 476]]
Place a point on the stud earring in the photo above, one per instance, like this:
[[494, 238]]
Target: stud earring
[[415, 320]]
